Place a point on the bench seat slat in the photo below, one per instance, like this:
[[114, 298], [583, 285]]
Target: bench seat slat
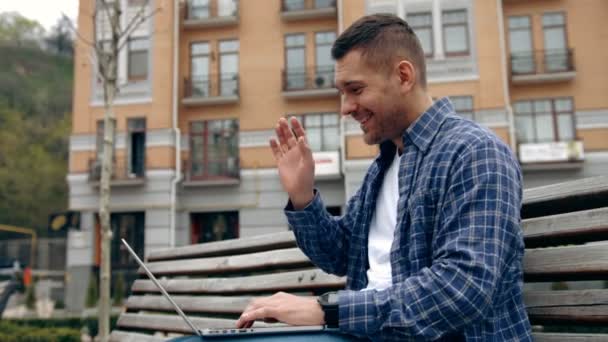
[[293, 280], [292, 257], [227, 247], [583, 262], [577, 227], [569, 306]]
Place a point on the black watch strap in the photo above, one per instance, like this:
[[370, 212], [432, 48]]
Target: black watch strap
[[329, 303]]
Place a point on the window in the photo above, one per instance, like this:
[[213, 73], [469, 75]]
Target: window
[[520, 44], [422, 24], [540, 121], [198, 9], [324, 3], [463, 106], [214, 149], [128, 226], [199, 69], [294, 5], [214, 226], [324, 76], [227, 8], [556, 51], [229, 67], [137, 147], [138, 59], [455, 32], [295, 61], [322, 131]]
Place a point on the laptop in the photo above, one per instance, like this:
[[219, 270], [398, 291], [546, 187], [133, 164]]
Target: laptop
[[222, 332]]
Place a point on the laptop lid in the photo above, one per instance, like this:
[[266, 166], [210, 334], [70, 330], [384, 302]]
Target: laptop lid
[[162, 290], [219, 332]]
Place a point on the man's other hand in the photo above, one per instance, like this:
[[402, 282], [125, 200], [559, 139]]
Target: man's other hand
[[283, 307]]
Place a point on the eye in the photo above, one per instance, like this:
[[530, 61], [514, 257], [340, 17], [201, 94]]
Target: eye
[[356, 90]]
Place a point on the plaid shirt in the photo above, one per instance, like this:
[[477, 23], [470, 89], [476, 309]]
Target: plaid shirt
[[457, 252]]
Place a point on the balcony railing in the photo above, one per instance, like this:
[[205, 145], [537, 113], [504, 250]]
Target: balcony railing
[[308, 9], [214, 13], [307, 82], [211, 89], [122, 173], [224, 171], [542, 65]]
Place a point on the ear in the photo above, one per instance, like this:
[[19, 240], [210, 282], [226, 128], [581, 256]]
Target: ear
[[407, 75]]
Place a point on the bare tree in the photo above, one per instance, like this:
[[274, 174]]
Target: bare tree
[[105, 50]]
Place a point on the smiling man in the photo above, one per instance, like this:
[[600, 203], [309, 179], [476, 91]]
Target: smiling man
[[431, 243]]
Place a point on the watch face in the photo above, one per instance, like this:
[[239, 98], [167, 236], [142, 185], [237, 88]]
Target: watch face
[[330, 298]]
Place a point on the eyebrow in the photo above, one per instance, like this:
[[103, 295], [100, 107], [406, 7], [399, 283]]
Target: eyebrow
[[349, 83]]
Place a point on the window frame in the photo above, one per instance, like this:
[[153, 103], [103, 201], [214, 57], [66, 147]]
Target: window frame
[[205, 149], [322, 127], [431, 53], [564, 26], [470, 110], [219, 64], [530, 30], [200, 55], [285, 50], [467, 52], [135, 78], [554, 117]]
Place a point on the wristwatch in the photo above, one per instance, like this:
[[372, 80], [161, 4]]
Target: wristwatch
[[329, 304]]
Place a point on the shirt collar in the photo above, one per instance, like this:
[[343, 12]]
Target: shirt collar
[[424, 129]]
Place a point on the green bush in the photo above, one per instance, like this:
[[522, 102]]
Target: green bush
[[10, 332], [71, 323]]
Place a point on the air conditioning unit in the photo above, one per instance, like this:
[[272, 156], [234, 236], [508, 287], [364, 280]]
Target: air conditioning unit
[[324, 80]]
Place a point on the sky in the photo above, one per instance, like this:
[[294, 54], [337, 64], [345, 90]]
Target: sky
[[46, 12]]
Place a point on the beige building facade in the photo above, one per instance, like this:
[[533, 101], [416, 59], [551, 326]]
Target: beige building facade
[[203, 83]]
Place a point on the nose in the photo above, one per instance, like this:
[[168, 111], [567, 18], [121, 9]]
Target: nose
[[349, 105]]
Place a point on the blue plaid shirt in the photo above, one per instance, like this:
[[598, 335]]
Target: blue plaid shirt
[[457, 252]]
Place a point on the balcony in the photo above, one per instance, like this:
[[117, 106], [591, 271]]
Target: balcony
[[214, 89], [215, 13], [220, 172], [542, 66], [122, 173], [312, 82], [292, 10], [560, 155]]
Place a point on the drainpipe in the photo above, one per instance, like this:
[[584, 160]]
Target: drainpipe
[[176, 132], [505, 75]]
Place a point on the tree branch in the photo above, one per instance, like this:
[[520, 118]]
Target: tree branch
[[135, 22], [73, 28]]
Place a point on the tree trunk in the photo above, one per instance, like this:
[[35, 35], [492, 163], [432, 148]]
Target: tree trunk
[[104, 193]]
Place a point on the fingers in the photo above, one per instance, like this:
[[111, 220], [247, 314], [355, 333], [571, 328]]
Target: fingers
[[297, 128], [276, 149], [286, 137]]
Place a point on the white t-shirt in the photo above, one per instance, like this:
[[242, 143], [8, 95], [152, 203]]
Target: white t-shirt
[[382, 230]]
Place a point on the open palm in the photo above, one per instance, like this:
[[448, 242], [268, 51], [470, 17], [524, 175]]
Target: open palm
[[294, 161]]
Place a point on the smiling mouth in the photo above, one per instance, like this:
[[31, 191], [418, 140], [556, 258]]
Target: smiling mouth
[[364, 119]]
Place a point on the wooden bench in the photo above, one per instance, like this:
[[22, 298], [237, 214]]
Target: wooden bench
[[566, 236]]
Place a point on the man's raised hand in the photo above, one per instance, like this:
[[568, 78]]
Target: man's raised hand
[[294, 161]]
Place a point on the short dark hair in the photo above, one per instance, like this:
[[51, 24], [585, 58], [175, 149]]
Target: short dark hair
[[382, 38]]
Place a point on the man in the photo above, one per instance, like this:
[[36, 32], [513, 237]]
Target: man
[[431, 243]]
